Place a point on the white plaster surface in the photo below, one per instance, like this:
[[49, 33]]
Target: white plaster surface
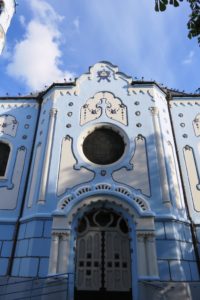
[[138, 177], [192, 175], [68, 176], [9, 197]]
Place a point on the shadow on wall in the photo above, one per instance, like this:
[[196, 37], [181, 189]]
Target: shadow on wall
[[168, 291]]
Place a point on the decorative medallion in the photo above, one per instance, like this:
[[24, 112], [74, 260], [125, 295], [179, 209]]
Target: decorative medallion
[[103, 75]]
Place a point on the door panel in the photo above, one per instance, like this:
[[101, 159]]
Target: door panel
[[88, 269], [117, 262], [103, 260]]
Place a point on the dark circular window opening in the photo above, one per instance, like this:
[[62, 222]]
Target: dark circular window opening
[[103, 146]]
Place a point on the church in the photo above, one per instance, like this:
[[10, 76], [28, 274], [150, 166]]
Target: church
[[100, 190]]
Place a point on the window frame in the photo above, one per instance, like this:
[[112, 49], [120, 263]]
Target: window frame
[[5, 176], [2, 6]]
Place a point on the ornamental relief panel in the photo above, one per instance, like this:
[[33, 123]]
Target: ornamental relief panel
[[104, 102], [193, 175], [196, 125], [68, 176], [138, 176], [8, 125], [9, 195]]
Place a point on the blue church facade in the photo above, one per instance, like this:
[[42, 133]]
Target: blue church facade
[[99, 178]]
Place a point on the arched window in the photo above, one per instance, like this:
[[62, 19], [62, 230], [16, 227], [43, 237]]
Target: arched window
[[4, 155], [2, 5]]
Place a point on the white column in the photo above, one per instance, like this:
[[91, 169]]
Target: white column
[[160, 156], [53, 259], [141, 255], [34, 178], [63, 253], [151, 255], [45, 170], [174, 177]]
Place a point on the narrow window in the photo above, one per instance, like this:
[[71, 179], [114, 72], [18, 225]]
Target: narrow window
[[1, 6], [4, 154]]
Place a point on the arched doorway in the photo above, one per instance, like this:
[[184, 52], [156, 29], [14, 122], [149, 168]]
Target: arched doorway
[[103, 260]]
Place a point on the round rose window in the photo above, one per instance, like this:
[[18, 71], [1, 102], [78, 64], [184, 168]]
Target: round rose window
[[103, 146]]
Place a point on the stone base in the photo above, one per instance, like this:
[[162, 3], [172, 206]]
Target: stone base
[[60, 287], [18, 288]]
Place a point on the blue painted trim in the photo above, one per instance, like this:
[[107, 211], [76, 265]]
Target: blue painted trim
[[37, 216], [8, 220], [171, 217], [148, 278]]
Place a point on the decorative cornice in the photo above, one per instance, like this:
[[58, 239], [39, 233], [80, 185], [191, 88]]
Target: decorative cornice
[[154, 110], [145, 234], [18, 105], [53, 112], [64, 235]]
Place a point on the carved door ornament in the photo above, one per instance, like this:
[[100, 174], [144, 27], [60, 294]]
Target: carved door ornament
[[103, 256]]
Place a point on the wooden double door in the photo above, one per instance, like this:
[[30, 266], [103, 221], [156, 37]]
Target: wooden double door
[[103, 265]]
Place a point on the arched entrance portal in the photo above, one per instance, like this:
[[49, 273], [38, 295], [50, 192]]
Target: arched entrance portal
[[103, 260]]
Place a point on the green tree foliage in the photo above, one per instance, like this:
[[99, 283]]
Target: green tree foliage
[[194, 18]]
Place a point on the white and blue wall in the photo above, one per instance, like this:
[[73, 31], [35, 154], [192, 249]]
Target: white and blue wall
[[18, 119], [48, 177]]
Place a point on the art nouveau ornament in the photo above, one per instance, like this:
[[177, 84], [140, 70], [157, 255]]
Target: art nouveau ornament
[[104, 103], [8, 125]]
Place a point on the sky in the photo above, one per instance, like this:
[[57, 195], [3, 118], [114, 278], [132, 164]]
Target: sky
[[53, 41]]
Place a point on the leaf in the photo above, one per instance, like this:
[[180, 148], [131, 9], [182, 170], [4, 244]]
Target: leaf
[[194, 18], [174, 2], [156, 6], [161, 5]]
